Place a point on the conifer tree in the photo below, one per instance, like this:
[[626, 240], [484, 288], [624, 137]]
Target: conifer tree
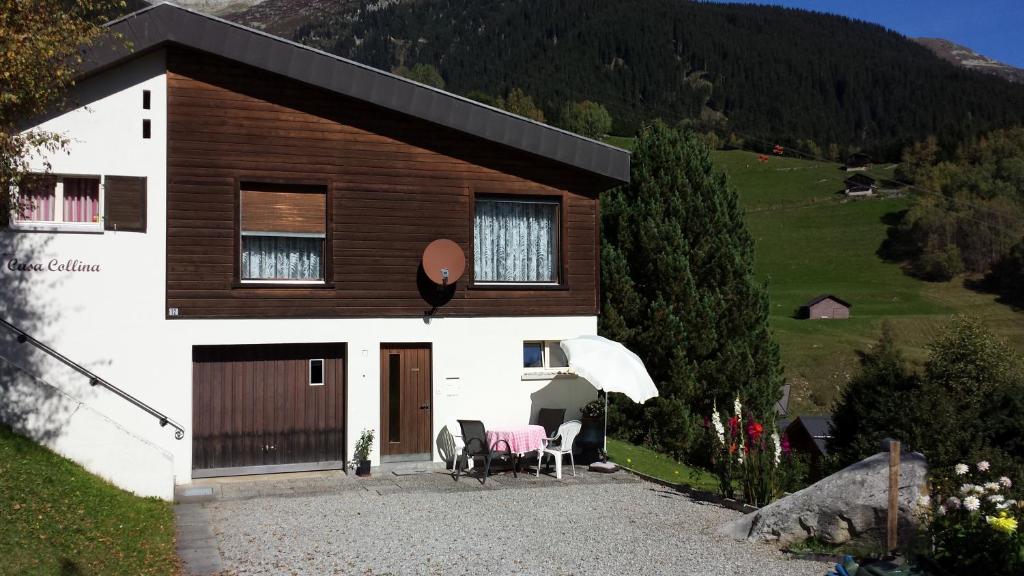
[[678, 289]]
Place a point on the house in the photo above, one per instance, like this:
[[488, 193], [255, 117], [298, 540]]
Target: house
[[235, 241], [826, 307], [860, 185], [857, 161], [810, 435]]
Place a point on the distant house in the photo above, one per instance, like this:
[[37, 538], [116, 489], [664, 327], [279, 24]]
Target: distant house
[[810, 435], [826, 307], [860, 185], [857, 162]]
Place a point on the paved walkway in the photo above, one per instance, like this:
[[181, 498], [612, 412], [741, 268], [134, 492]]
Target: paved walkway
[[426, 523]]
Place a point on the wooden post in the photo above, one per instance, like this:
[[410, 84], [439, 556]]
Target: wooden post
[[892, 517]]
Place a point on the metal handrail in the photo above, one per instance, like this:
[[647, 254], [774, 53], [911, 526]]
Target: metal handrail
[[94, 380]]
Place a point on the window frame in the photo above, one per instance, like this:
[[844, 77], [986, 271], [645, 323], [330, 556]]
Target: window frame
[[326, 258], [58, 224], [323, 372], [552, 197]]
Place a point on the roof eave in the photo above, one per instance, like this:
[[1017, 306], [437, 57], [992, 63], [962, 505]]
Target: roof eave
[[165, 24]]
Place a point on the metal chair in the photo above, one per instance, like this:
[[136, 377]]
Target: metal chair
[[475, 436], [551, 419], [560, 445]]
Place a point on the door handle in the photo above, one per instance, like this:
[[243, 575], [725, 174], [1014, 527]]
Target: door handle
[[425, 407]]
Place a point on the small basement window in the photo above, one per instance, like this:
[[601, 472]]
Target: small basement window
[[316, 372], [544, 356]]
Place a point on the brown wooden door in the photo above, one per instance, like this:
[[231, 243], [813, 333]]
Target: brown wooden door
[[405, 401], [260, 409]]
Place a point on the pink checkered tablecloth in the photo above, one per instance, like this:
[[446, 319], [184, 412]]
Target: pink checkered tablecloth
[[521, 439]]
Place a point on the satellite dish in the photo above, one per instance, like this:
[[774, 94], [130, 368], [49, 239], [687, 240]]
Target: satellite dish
[[444, 262]]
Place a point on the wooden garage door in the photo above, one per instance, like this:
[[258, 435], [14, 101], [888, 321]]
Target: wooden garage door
[[254, 409]]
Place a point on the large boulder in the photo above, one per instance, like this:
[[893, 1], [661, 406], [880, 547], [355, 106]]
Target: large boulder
[[844, 506]]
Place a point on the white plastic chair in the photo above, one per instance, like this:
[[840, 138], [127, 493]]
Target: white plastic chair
[[559, 446]]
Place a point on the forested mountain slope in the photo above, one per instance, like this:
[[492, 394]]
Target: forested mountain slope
[[778, 75]]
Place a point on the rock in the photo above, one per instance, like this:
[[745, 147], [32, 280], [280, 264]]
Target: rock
[[841, 507]]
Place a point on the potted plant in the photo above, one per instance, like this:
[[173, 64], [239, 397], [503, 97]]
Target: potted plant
[[591, 438], [361, 459]]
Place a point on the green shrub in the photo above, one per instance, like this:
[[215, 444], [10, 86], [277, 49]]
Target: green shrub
[[939, 266]]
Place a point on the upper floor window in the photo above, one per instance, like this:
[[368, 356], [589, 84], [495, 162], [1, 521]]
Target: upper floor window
[[516, 241], [283, 233], [58, 201]]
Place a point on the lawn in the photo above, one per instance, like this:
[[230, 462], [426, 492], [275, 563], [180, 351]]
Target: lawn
[[56, 518], [651, 463], [811, 240]]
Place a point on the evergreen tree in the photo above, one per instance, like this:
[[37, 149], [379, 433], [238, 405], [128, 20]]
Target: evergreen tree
[[874, 404], [678, 288]]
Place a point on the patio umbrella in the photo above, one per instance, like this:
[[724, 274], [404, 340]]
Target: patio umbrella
[[611, 367]]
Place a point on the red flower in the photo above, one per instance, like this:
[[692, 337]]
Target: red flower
[[755, 430], [732, 448], [734, 423]]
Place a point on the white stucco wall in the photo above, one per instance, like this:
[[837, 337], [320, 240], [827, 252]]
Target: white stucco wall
[[113, 321]]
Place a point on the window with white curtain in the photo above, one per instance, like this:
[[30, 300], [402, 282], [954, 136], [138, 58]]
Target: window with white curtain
[[283, 233], [515, 241]]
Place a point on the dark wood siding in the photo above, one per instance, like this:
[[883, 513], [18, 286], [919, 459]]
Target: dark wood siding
[[253, 406], [395, 184]]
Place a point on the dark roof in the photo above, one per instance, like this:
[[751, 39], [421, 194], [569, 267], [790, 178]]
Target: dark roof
[[860, 180], [817, 299], [167, 24], [858, 159], [818, 427]]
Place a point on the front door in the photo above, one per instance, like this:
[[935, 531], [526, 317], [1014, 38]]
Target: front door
[[405, 402]]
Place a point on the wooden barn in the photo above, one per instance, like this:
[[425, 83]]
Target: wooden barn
[[860, 185], [826, 307], [857, 162]]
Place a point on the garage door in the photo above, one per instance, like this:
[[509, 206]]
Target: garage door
[[267, 408]]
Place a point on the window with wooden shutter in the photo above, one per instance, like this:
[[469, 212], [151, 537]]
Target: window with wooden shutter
[[284, 231], [124, 200]]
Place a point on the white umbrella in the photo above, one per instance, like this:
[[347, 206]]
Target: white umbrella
[[611, 367]]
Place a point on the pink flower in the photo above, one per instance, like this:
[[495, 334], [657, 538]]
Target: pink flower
[[1006, 483], [983, 466]]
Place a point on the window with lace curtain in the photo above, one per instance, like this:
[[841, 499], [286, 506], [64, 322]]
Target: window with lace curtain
[[516, 241], [283, 233]]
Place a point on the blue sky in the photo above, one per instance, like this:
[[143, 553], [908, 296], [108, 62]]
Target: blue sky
[[994, 28]]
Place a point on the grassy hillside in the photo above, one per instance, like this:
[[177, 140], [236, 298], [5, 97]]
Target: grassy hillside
[[56, 518], [810, 240]]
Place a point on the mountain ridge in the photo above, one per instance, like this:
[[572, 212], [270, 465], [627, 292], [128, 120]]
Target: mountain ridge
[[966, 57]]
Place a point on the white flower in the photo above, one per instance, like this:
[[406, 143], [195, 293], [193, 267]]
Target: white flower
[[971, 503], [983, 466], [960, 469], [953, 503], [777, 442], [978, 489], [737, 408], [716, 420], [942, 510], [995, 498], [1006, 483], [967, 488], [992, 486], [924, 501]]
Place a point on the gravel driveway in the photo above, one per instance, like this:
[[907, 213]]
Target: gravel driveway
[[433, 526]]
